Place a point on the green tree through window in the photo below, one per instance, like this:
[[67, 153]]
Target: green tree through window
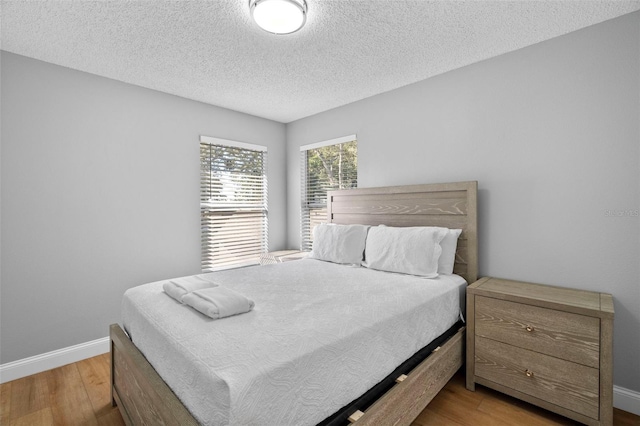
[[323, 169]]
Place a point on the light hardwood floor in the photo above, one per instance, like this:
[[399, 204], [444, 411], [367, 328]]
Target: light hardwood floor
[[78, 394]]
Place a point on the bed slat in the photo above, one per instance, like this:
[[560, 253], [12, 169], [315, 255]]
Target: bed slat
[[355, 416]]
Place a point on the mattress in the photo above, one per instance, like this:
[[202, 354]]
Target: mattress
[[320, 335]]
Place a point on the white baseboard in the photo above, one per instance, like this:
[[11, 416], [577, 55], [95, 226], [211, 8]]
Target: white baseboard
[[39, 363], [626, 400]]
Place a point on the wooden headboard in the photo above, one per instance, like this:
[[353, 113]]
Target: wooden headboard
[[450, 205]]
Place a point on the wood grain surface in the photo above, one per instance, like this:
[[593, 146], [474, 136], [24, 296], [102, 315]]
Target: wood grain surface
[[74, 394], [402, 404], [554, 380], [547, 345], [561, 334], [149, 399], [449, 205]]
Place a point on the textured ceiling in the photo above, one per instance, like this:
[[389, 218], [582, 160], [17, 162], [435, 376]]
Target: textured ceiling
[[211, 51]]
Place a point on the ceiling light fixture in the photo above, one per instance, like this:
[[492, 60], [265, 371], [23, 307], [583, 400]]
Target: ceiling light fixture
[[279, 16]]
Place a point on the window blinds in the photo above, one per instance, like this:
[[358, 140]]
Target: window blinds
[[324, 168], [233, 203]]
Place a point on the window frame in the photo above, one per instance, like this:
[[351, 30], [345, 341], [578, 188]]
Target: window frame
[[207, 207], [306, 223]]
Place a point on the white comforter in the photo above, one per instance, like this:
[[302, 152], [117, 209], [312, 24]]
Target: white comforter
[[320, 336]]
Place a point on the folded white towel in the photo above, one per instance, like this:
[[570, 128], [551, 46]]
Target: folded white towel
[[178, 287], [218, 302]]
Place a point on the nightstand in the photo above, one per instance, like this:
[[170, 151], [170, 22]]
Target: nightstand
[[281, 256], [549, 346]]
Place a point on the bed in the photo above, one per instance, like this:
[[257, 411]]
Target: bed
[[143, 397]]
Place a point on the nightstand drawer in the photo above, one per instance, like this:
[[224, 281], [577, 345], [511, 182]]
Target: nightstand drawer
[[563, 383], [564, 335]]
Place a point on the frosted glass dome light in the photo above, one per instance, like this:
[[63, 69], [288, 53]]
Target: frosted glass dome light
[[279, 16]]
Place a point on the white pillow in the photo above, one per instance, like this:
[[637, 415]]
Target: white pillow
[[413, 250], [449, 245], [339, 243]]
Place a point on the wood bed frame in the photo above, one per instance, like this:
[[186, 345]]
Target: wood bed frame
[[143, 398]]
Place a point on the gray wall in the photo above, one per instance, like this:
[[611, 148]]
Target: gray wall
[[551, 133], [100, 192]]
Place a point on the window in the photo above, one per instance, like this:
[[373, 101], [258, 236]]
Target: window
[[233, 202], [325, 166]]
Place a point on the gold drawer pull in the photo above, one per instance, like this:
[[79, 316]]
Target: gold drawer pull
[[529, 328], [528, 372]]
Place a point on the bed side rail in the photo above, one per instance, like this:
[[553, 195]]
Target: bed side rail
[[405, 401], [142, 397]]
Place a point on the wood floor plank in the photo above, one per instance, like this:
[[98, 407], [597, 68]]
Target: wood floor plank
[[42, 417], [94, 373], [455, 403], [109, 416], [29, 394], [70, 403], [623, 418], [508, 410], [5, 403], [429, 417]]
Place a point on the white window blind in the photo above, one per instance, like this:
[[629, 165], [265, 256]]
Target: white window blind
[[325, 166], [233, 203]]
